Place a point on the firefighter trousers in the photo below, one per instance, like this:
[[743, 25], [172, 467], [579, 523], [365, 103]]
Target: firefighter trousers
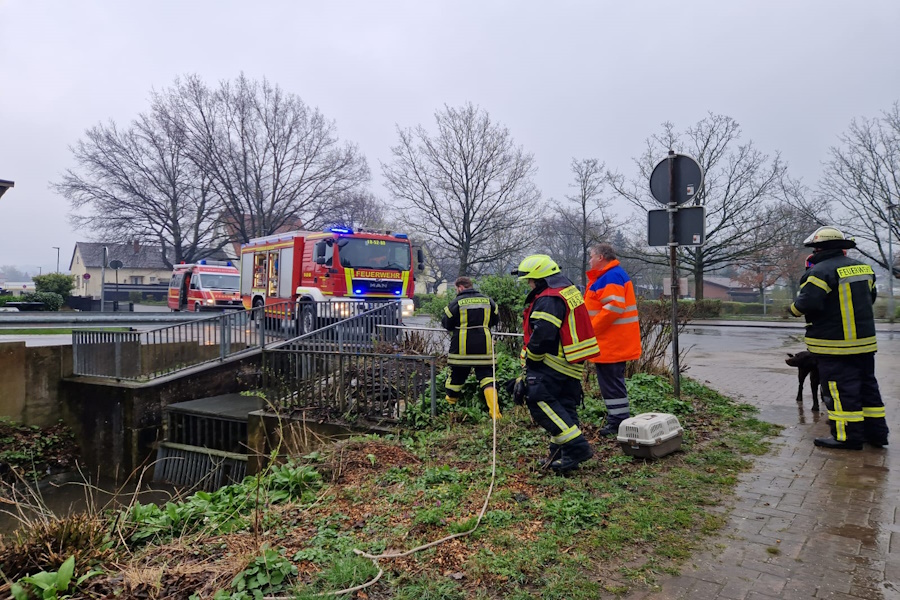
[[850, 392], [459, 374], [553, 404]]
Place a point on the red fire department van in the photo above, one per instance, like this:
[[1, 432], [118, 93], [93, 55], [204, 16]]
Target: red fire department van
[[338, 264], [206, 285]]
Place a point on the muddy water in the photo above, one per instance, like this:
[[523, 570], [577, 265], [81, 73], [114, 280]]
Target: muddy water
[[70, 493]]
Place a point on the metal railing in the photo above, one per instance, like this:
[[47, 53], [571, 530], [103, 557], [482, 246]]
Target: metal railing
[[144, 355], [348, 368]]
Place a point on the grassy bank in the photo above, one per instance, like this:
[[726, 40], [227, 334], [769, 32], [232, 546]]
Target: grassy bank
[[614, 525]]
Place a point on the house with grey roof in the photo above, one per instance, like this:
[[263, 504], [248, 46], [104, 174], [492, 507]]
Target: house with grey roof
[[141, 264]]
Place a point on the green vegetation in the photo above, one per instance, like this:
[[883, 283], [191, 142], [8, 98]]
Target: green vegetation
[[507, 291], [50, 584], [613, 526], [51, 300], [55, 283], [28, 452]]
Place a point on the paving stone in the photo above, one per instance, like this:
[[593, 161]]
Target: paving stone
[[834, 516]]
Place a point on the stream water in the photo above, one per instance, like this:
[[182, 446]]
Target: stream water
[[71, 493]]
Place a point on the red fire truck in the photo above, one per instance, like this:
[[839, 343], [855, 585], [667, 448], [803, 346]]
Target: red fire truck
[[338, 264], [206, 285]]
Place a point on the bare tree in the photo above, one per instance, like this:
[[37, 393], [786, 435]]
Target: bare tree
[[862, 182], [560, 239], [787, 252], [12, 273], [441, 266], [139, 183], [355, 209], [271, 160], [583, 222], [740, 181], [467, 188], [630, 245]]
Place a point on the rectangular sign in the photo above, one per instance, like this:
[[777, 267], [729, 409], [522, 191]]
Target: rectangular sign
[[690, 226]]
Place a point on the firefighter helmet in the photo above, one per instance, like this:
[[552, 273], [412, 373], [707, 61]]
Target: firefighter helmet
[[536, 266], [828, 237]]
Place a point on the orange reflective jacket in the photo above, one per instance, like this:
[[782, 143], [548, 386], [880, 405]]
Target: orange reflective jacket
[[613, 310]]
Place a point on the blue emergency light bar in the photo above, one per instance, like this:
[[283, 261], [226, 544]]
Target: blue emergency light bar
[[402, 236], [340, 230], [214, 262]]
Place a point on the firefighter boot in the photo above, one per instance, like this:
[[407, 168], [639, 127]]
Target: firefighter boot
[[830, 442], [851, 443], [490, 396], [573, 454], [553, 454]]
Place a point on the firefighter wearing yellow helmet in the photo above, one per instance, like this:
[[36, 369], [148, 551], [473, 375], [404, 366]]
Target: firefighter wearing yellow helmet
[[559, 338], [836, 296]]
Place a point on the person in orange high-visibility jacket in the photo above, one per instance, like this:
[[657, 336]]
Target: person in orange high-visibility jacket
[[613, 309]]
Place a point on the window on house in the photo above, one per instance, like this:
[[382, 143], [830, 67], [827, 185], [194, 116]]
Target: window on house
[[136, 279]]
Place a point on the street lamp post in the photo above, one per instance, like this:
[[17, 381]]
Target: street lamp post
[[890, 208], [57, 257]]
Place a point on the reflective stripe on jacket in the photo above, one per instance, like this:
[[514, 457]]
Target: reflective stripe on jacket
[[561, 311], [836, 296], [469, 317], [612, 306]]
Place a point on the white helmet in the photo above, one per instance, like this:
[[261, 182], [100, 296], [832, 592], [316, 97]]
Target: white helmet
[[828, 237]]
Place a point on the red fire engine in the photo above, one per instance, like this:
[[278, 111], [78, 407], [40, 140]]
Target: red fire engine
[[338, 264], [206, 285]]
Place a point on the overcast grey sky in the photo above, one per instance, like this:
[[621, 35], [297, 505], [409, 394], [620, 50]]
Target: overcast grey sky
[[569, 79]]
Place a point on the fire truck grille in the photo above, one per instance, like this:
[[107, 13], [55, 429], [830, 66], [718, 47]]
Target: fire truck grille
[[235, 302], [377, 287]]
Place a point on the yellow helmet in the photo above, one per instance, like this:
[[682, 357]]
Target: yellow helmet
[[829, 237], [536, 266]]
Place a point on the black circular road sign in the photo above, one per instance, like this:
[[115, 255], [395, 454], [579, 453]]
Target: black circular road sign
[[681, 169], [115, 264]]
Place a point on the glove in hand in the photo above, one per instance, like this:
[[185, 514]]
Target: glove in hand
[[520, 390]]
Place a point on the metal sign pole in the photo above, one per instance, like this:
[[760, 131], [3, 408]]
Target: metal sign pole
[[673, 262], [103, 279]]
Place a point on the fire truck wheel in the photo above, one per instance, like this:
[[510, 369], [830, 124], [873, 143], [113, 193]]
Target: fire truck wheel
[[306, 320], [196, 307], [257, 311]]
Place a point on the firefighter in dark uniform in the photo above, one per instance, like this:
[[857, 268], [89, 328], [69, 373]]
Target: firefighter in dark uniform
[[469, 317], [836, 296], [559, 338]]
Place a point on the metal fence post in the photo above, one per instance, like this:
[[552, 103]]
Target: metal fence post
[[118, 357], [223, 343], [258, 313], [433, 394]]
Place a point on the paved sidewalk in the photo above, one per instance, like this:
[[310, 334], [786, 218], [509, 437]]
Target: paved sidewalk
[[807, 522]]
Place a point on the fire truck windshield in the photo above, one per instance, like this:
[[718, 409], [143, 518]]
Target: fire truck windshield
[[358, 253], [215, 281]]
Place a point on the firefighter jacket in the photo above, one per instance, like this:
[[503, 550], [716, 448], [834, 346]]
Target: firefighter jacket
[[613, 310], [836, 296], [470, 317], [558, 331]]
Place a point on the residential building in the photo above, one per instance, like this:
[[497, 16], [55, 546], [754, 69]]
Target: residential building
[[724, 288], [141, 264]]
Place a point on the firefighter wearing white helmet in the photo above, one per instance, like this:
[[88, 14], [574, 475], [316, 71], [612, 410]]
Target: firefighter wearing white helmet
[[559, 338], [836, 297]]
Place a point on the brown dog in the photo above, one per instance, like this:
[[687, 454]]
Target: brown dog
[[806, 364]]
